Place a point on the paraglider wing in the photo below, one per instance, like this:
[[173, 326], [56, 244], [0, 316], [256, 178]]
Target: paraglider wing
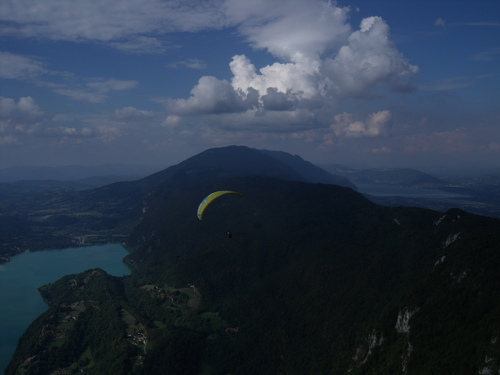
[[210, 198]]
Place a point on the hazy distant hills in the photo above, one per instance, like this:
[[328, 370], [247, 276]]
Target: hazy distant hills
[[77, 177], [316, 279], [478, 192], [75, 172], [392, 176]]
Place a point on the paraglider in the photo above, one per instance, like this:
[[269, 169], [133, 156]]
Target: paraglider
[[210, 198]]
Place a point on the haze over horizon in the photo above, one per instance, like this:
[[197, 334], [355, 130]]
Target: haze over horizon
[[362, 83]]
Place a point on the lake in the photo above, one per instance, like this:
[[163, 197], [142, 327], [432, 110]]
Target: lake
[[20, 302], [382, 190]]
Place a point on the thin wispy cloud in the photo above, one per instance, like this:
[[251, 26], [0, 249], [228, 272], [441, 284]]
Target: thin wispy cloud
[[481, 24], [448, 84], [491, 54], [440, 22], [195, 64], [93, 90], [139, 44], [132, 113], [107, 20], [14, 66]]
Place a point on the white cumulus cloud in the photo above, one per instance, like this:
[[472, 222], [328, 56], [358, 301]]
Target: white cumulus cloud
[[293, 30], [25, 111], [376, 124], [18, 119], [368, 59], [211, 95], [348, 125]]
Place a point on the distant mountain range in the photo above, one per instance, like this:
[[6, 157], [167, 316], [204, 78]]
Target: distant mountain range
[[316, 279], [342, 175], [477, 192], [76, 172]]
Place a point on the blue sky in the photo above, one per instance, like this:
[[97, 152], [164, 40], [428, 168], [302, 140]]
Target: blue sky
[[363, 83]]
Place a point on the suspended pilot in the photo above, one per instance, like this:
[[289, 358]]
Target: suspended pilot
[[229, 235]]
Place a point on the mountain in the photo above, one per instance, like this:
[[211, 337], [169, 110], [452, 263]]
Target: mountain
[[30, 212], [244, 161], [316, 279]]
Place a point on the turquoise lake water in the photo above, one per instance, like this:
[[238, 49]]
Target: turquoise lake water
[[20, 302]]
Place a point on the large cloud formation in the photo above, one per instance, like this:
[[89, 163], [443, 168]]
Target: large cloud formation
[[319, 58], [320, 61]]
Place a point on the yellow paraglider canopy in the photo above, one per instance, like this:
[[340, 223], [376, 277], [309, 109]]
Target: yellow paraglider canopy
[[210, 198]]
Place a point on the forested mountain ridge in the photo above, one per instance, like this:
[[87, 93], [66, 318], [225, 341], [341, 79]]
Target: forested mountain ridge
[[315, 279]]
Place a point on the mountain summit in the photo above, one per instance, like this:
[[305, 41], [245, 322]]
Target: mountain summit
[[239, 161]]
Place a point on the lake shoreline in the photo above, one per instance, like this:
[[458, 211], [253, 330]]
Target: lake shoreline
[[25, 273], [5, 258]]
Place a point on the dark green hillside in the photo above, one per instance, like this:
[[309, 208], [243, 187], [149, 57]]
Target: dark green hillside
[[316, 279], [304, 260]]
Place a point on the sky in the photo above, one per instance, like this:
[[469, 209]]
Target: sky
[[364, 83]]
